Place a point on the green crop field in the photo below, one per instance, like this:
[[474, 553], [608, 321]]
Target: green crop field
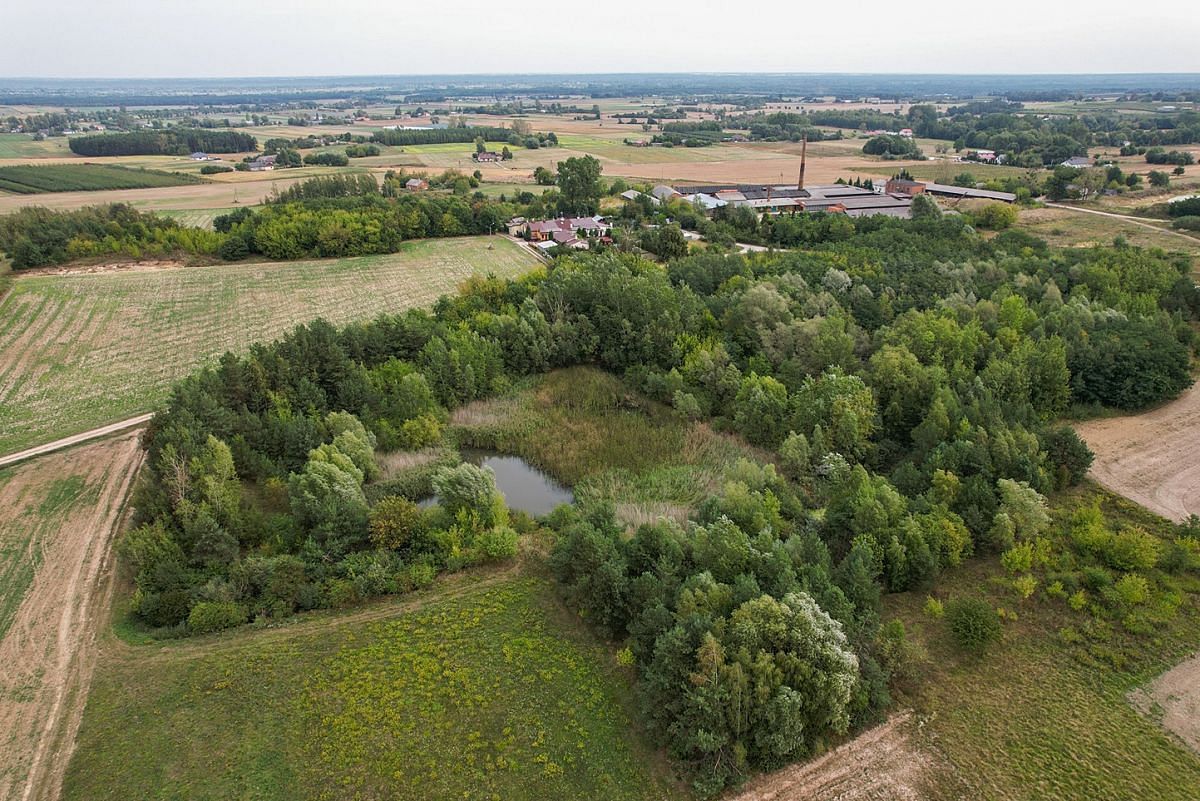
[[78, 351], [483, 689], [28, 179]]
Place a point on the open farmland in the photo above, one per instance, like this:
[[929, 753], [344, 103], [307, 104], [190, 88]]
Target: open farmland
[[480, 688], [23, 146], [58, 515], [1151, 457], [80, 350], [35, 179]]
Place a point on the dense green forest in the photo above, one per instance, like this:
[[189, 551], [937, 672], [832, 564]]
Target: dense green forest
[[905, 377], [165, 142]]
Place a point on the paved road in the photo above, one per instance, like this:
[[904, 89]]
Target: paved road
[[1145, 222], [67, 442]]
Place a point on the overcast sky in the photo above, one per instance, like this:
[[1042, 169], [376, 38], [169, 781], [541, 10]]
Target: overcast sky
[[220, 38]]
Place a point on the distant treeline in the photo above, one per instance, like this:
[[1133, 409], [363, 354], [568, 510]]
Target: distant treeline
[[169, 142], [441, 136], [326, 217]]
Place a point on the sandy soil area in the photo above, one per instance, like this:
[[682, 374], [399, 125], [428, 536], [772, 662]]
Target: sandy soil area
[[881, 764], [1151, 458], [49, 652], [1174, 700]]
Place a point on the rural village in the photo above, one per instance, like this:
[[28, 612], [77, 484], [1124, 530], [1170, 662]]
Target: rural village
[[656, 436]]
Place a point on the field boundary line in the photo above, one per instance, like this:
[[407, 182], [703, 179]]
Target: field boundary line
[[74, 439]]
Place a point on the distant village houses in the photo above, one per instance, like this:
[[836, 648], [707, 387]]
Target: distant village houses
[[579, 233], [487, 156], [416, 184]]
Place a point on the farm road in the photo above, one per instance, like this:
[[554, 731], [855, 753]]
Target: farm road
[[75, 439], [1145, 222]]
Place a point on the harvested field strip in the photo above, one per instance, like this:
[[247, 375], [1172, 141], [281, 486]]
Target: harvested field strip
[[79, 351], [58, 515], [1150, 458]]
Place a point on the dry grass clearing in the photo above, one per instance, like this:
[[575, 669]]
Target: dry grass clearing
[[58, 515], [79, 351], [1064, 228], [1150, 458]]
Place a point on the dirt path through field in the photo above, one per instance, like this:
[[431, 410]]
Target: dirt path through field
[[48, 654], [1150, 458], [881, 764], [75, 439], [1144, 222]]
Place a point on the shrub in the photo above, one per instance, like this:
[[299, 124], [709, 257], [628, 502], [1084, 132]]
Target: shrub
[[395, 522], [974, 625], [625, 657], [1019, 558], [497, 543], [213, 169], [996, 216], [934, 608], [1132, 548], [1189, 223], [1131, 590], [1078, 600], [1025, 586], [209, 616]]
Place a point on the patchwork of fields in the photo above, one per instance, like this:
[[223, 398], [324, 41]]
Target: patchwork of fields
[[483, 689], [78, 351]]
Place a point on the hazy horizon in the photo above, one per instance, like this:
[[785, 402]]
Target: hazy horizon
[[274, 39]]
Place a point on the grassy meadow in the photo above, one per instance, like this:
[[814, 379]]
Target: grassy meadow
[[482, 688], [79, 351], [584, 427], [1044, 714]]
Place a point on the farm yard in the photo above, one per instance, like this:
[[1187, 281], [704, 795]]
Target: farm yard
[[58, 516], [479, 688], [84, 349]]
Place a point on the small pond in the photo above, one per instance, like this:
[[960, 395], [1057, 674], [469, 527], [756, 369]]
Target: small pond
[[524, 487]]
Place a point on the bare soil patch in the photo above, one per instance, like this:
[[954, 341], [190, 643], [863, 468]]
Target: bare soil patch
[[882, 764], [49, 652], [1173, 699], [1150, 458]]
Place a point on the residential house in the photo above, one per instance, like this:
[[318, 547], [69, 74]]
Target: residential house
[[487, 156], [664, 193], [1078, 161], [416, 184], [263, 163]]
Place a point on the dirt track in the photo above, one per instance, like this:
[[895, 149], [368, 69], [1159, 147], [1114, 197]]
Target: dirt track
[[881, 764], [1174, 699], [75, 439], [1151, 458], [49, 652]]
